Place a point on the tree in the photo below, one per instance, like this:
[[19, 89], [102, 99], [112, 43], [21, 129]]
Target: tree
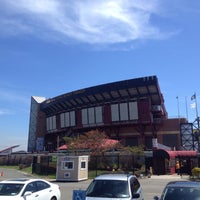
[[95, 141], [133, 149]]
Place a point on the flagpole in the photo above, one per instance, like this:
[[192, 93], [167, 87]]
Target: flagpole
[[197, 111], [196, 105], [186, 108], [178, 108]]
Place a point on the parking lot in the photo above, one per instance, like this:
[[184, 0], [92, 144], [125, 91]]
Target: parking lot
[[151, 186]]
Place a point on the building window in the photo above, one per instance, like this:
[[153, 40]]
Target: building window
[[67, 119], [67, 165], [115, 112], [98, 114], [124, 111], [83, 164], [92, 116], [51, 123], [84, 116], [123, 107], [133, 110]]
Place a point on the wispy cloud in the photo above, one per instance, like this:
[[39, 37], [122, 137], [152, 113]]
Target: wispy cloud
[[97, 21], [5, 112], [13, 99], [13, 96]]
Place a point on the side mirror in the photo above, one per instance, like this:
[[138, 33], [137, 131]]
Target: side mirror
[[28, 193], [136, 196], [156, 198]]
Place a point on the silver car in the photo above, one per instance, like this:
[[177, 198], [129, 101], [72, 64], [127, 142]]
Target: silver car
[[114, 186]]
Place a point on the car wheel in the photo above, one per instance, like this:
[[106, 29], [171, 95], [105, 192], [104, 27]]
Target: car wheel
[[53, 198]]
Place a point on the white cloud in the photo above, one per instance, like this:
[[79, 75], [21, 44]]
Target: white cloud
[[6, 112], [96, 21], [9, 100], [193, 105], [12, 96]]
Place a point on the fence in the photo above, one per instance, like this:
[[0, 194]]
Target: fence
[[46, 164]]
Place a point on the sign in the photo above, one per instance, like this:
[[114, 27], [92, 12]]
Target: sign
[[79, 194]]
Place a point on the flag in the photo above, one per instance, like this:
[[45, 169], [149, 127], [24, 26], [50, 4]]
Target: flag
[[193, 105], [193, 97]]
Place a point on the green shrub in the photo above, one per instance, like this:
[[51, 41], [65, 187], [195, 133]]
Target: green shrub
[[196, 172]]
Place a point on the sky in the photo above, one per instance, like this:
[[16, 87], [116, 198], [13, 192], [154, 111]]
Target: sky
[[51, 47]]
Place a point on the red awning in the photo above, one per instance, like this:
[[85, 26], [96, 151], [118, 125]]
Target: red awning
[[63, 147], [173, 154], [161, 153]]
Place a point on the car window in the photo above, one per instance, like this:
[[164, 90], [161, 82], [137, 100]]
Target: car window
[[135, 185], [41, 185], [10, 189], [181, 193], [31, 187], [108, 189]]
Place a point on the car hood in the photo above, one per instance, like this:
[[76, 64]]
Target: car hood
[[10, 197], [100, 198]]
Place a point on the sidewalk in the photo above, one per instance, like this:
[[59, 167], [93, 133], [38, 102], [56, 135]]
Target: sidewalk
[[173, 176], [13, 173]]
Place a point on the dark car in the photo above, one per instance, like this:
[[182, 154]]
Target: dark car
[[180, 190]]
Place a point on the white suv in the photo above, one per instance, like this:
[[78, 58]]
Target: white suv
[[114, 186]]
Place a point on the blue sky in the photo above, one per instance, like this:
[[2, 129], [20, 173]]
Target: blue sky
[[51, 47]]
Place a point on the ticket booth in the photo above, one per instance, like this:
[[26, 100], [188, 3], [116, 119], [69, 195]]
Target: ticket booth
[[72, 168]]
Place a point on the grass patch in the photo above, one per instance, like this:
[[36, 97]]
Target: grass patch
[[91, 173], [28, 170], [9, 167]]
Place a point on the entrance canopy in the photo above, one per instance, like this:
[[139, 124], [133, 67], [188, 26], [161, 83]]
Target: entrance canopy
[[161, 153]]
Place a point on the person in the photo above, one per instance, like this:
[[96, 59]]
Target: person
[[177, 167]]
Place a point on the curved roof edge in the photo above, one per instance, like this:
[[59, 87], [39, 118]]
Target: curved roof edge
[[109, 92]]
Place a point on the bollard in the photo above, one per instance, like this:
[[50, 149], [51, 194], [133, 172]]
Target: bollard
[[2, 173]]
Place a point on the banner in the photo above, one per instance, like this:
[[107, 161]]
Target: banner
[[79, 194]]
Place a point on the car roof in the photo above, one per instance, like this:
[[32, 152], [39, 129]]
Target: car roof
[[114, 177], [19, 180], [183, 184]]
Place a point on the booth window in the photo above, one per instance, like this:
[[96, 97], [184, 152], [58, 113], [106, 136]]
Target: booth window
[[83, 164], [68, 165]]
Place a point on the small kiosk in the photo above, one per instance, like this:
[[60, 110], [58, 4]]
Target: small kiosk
[[72, 168]]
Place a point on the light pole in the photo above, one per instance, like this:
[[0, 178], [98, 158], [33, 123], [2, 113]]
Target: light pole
[[178, 108]]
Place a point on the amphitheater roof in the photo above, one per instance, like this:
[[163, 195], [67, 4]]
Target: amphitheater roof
[[120, 91]]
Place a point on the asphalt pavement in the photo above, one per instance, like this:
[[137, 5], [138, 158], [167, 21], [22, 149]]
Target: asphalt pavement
[[13, 173], [151, 186]]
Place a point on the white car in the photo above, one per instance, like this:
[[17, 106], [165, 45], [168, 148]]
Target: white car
[[114, 187], [29, 189]]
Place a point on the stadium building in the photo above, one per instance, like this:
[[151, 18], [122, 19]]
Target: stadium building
[[132, 110]]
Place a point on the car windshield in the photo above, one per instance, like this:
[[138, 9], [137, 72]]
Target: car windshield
[[10, 189], [181, 193], [108, 189]]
